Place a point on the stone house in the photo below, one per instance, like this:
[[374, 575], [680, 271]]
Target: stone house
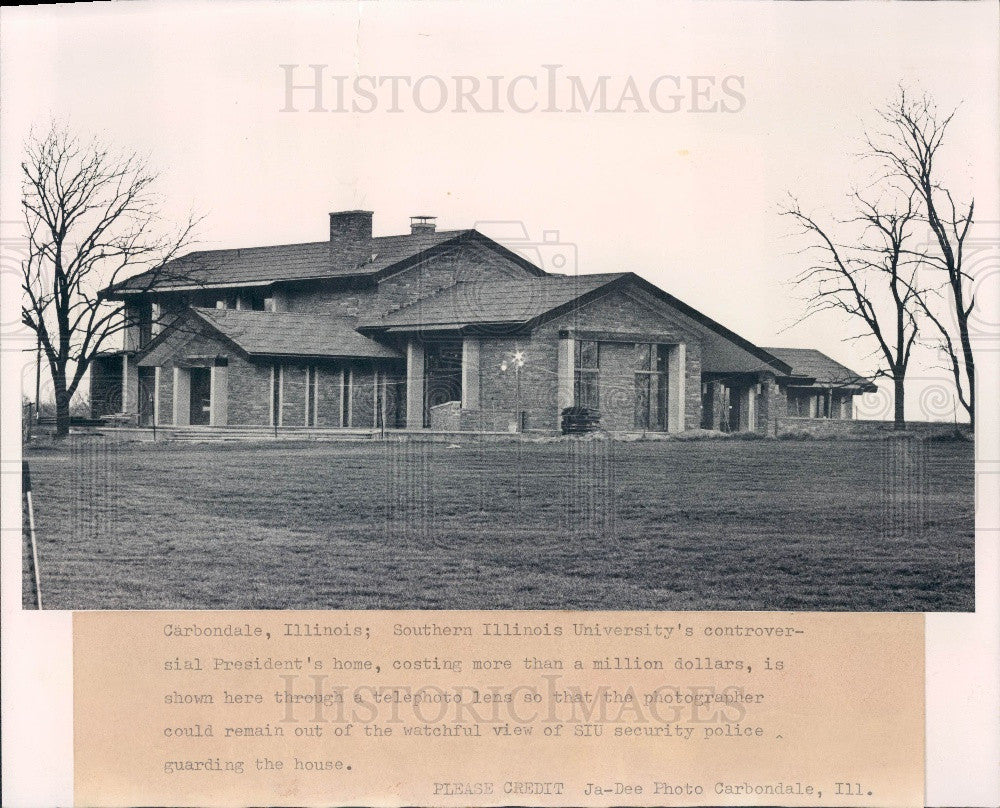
[[438, 330]]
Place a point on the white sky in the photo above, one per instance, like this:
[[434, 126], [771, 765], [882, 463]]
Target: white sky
[[687, 200]]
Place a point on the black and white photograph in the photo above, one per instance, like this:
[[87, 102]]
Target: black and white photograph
[[412, 402], [550, 330]]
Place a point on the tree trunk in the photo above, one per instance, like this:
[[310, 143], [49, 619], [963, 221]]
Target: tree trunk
[[899, 421], [62, 404], [970, 372]]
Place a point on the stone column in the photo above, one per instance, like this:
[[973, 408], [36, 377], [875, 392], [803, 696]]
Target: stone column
[[182, 397], [220, 396], [156, 396], [564, 375], [677, 381], [130, 385], [718, 404], [470, 373], [414, 385]]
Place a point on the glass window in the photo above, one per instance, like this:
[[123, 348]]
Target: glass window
[[643, 352], [276, 379], [312, 395], [587, 355], [346, 379], [651, 386]]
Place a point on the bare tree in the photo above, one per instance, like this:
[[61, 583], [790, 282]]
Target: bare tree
[[908, 146], [871, 279], [92, 219]]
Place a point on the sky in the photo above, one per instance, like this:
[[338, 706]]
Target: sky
[[689, 200]]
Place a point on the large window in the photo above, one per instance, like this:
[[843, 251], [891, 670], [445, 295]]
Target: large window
[[651, 386], [312, 395], [346, 383], [808, 404], [586, 377], [277, 399]]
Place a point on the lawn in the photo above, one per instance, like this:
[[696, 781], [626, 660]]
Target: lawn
[[720, 524]]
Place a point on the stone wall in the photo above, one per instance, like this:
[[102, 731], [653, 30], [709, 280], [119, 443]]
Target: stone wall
[[464, 262], [446, 417], [249, 392], [500, 394], [843, 428], [772, 405], [495, 420], [626, 313]]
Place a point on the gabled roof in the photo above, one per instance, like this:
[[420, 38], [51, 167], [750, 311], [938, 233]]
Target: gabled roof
[[826, 372], [262, 266], [526, 303], [265, 333], [492, 301]]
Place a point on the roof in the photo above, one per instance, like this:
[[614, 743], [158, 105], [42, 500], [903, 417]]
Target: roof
[[825, 372], [493, 301], [526, 301], [261, 266], [265, 333]]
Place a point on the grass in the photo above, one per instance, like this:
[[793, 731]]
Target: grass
[[790, 525]]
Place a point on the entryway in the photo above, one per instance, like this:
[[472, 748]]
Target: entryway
[[442, 374], [147, 390], [201, 396]]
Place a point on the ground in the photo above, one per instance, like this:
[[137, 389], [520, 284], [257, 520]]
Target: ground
[[722, 524]]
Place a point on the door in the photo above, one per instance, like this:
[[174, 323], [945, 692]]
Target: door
[[735, 408], [708, 407], [201, 396], [147, 388]]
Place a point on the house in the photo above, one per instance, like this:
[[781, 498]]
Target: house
[[446, 330]]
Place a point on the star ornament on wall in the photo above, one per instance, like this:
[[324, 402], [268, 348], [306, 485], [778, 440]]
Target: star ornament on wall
[[516, 361]]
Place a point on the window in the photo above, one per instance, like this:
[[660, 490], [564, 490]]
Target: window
[[807, 404], [141, 318], [651, 386], [276, 394], [346, 383], [312, 395], [586, 381]]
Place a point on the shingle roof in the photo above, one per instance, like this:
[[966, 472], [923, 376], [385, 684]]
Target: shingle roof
[[265, 333], [493, 301], [816, 365], [262, 265]]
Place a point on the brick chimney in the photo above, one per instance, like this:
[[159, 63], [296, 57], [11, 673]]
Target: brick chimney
[[422, 224], [351, 237]]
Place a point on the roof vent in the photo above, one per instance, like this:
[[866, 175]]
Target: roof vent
[[422, 224]]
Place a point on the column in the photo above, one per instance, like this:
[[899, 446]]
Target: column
[[182, 397], [220, 396], [156, 395], [677, 380], [470, 374], [564, 374], [414, 385], [130, 385]]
